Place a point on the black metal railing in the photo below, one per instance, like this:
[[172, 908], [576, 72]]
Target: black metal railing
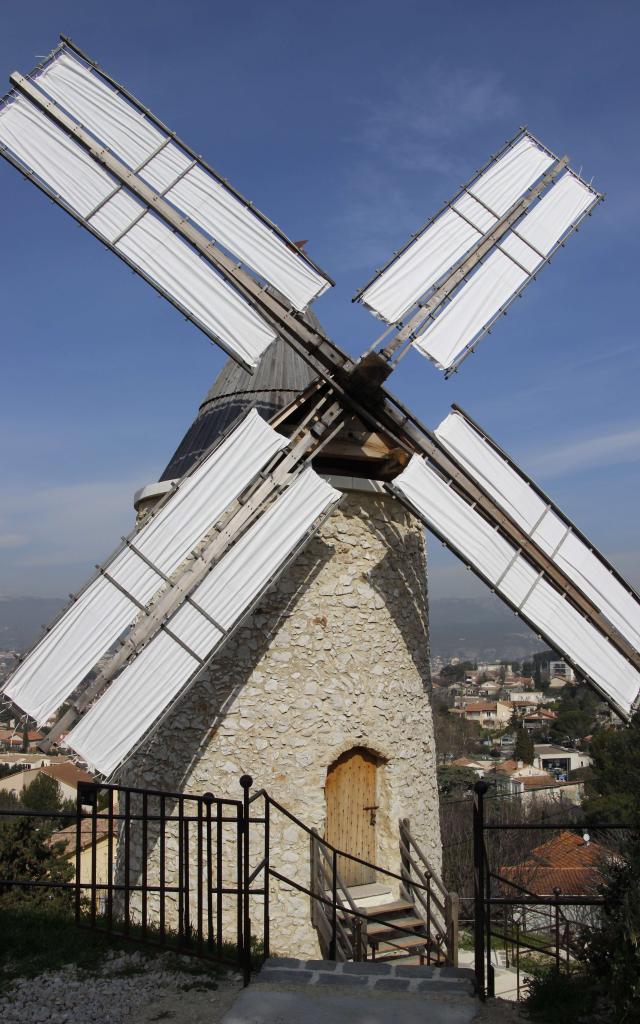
[[196, 873], [499, 900], [341, 925]]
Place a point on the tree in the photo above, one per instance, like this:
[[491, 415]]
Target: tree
[[45, 794], [613, 948], [27, 854], [455, 780], [454, 736], [612, 798], [576, 714], [614, 783], [523, 749]]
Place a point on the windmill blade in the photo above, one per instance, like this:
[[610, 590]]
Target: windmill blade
[[138, 570], [134, 135], [164, 668], [465, 267], [148, 225], [475, 306], [52, 160], [448, 236], [543, 521], [513, 573]]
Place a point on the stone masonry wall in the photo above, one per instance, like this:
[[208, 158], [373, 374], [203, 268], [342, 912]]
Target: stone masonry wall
[[336, 656]]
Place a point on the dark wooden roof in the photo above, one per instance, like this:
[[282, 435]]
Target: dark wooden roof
[[281, 374]]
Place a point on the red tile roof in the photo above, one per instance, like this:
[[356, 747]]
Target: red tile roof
[[68, 835], [565, 862], [67, 772]]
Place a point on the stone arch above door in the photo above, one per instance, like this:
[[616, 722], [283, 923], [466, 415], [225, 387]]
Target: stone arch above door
[[352, 793]]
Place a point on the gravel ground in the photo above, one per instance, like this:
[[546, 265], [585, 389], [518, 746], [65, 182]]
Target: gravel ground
[[129, 987]]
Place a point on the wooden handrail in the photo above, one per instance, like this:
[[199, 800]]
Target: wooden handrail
[[447, 908]]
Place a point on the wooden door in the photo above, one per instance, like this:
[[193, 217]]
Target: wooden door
[[351, 812]]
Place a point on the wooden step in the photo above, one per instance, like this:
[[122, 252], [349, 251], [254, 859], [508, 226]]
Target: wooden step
[[376, 930], [405, 942], [386, 909]]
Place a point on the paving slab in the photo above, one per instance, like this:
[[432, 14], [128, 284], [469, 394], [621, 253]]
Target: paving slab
[[318, 1005]]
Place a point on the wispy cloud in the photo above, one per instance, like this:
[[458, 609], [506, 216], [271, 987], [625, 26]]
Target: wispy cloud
[[422, 128], [594, 452], [424, 122], [13, 540], [52, 536]]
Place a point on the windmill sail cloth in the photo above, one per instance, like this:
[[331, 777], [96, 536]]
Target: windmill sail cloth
[[449, 237], [132, 137], [140, 694], [62, 659], [505, 272], [544, 523], [138, 235], [479, 544]]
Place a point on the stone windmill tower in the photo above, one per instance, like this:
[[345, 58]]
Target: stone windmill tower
[[323, 693]]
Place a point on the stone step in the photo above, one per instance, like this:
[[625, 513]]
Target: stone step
[[381, 977]]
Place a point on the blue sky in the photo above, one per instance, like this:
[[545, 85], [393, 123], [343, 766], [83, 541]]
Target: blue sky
[[349, 124]]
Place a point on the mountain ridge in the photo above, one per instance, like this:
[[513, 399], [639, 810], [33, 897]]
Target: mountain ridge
[[465, 627]]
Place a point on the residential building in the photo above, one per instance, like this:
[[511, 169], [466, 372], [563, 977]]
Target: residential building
[[569, 863], [561, 670], [15, 739], [557, 684], [21, 762], [488, 714], [65, 773], [481, 766], [538, 720], [514, 778], [90, 850], [524, 694], [559, 760]]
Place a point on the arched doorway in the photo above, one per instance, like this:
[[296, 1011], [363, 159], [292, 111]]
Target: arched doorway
[[352, 803]]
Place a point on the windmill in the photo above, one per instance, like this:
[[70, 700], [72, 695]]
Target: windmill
[[176, 591]]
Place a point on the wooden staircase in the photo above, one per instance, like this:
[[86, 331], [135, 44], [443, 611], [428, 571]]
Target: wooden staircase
[[408, 916]]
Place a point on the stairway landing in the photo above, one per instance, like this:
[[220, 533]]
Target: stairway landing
[[325, 992]]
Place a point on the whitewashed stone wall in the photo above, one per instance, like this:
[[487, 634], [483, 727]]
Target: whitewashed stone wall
[[335, 657]]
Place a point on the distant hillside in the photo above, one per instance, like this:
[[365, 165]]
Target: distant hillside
[[467, 627], [22, 618], [473, 628]]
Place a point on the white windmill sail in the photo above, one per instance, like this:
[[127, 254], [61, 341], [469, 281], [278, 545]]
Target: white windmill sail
[[476, 305], [136, 235], [122, 716], [450, 235], [479, 544], [462, 271], [187, 183], [108, 605], [157, 206], [543, 522]]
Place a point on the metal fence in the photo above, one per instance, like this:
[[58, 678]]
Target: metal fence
[[502, 900], [195, 873]]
